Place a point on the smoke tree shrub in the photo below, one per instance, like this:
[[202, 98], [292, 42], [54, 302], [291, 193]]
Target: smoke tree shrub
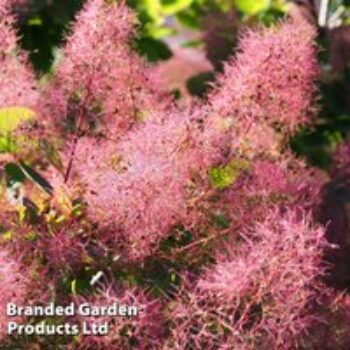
[[197, 211], [137, 169]]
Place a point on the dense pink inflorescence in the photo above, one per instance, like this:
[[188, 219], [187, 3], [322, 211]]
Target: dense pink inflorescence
[[261, 290], [141, 328], [13, 288], [100, 79], [287, 181], [143, 185], [272, 77], [140, 186], [17, 84]]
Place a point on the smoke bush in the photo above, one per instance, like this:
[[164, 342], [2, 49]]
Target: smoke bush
[[119, 180], [151, 177]]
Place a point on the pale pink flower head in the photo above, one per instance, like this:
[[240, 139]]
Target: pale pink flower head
[[13, 288], [17, 84], [99, 78], [260, 291], [142, 327], [272, 77], [139, 188], [64, 250], [285, 182]]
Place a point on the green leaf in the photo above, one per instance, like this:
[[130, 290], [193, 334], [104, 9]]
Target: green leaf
[[188, 19], [198, 85], [32, 236], [159, 32], [222, 177], [252, 7], [32, 175], [170, 8], [12, 117], [153, 9], [73, 286], [35, 21], [14, 173], [8, 144], [154, 50]]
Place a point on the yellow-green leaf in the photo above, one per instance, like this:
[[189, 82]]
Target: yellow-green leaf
[[73, 286], [12, 117], [176, 6], [222, 177], [252, 7]]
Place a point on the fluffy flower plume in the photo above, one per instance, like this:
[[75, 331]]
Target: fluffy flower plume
[[144, 330], [272, 77], [100, 79], [288, 182], [140, 186], [259, 292], [17, 85], [143, 185], [13, 288]]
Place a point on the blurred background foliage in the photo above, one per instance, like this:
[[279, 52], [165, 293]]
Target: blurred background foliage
[[210, 27]]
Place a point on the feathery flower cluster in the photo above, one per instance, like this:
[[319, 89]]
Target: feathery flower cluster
[[272, 78], [142, 331], [100, 79], [17, 84], [259, 292], [13, 288], [140, 186], [287, 181]]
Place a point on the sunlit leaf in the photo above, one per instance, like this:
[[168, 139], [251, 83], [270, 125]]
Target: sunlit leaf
[[12, 117], [170, 8], [252, 7], [222, 177]]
